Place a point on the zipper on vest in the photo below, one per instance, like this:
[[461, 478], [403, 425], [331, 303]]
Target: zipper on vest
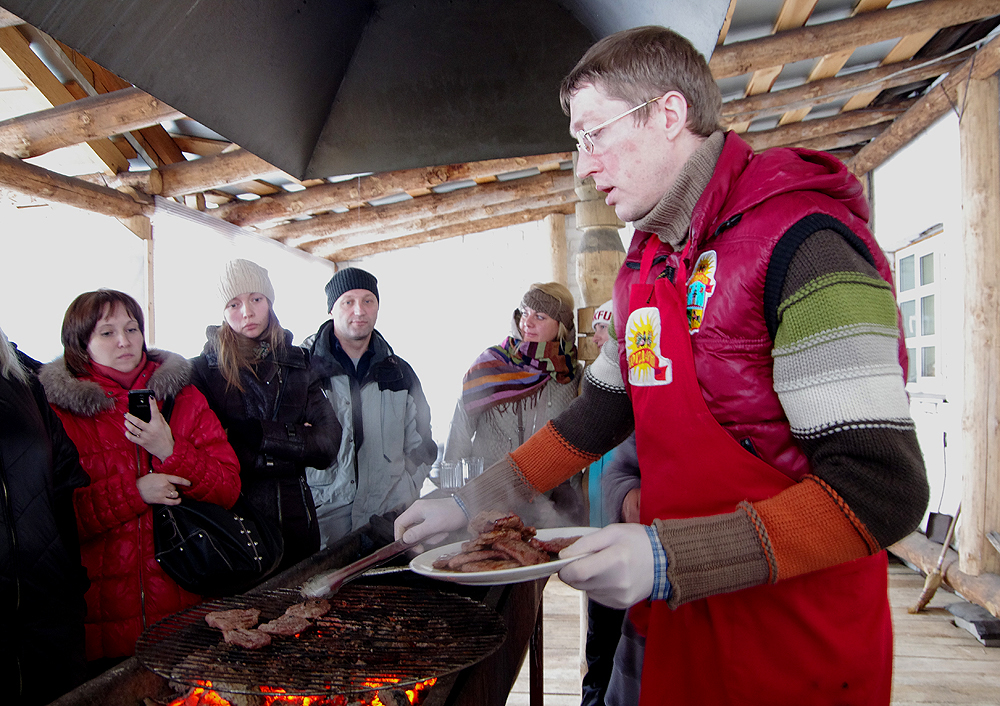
[[728, 223], [747, 443]]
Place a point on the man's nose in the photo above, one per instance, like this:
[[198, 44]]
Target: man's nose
[[584, 164]]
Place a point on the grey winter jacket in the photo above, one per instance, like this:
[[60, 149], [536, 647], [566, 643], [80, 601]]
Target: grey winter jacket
[[386, 449]]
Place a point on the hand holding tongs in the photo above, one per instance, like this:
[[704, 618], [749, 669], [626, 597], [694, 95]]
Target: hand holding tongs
[[329, 583]]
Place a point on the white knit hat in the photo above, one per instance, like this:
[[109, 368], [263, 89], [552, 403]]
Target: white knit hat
[[602, 314], [242, 277]]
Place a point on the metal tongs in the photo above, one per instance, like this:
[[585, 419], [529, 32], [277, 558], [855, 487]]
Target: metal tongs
[[329, 583]]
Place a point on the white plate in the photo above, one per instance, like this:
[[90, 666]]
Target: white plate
[[424, 564]]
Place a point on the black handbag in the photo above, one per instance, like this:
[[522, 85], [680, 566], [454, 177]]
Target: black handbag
[[210, 550]]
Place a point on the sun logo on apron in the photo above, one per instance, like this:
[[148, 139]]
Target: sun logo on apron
[[646, 367], [700, 286]]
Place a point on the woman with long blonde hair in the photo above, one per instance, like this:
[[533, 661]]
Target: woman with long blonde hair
[[271, 404]]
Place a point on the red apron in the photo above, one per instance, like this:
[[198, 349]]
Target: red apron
[[820, 638]]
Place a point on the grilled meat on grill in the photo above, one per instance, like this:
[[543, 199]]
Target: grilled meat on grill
[[286, 625], [232, 619], [311, 608], [250, 639]]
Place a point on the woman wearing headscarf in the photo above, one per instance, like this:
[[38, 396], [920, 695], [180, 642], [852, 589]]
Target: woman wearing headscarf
[[42, 581], [516, 386], [133, 464], [271, 404]]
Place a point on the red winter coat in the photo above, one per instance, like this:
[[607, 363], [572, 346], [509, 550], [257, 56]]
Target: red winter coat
[[128, 589]]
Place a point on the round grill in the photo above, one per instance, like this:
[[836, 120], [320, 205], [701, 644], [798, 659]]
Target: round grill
[[373, 636]]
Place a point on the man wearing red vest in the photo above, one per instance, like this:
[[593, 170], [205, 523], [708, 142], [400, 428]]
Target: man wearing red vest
[[761, 364]]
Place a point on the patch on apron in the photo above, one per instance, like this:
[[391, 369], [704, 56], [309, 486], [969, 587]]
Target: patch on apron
[[700, 287], [646, 367]]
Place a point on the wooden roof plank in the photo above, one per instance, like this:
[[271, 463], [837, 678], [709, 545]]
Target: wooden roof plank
[[793, 13], [905, 48], [14, 45], [817, 40], [352, 193], [827, 90], [830, 65], [79, 121], [299, 233], [808, 129], [419, 225], [32, 180], [926, 110], [453, 231]]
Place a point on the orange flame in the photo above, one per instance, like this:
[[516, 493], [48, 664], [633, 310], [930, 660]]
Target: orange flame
[[204, 695]]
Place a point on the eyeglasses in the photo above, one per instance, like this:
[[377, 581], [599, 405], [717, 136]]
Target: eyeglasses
[[585, 138]]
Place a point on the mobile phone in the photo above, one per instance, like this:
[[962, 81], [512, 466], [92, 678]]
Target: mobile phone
[[138, 404]]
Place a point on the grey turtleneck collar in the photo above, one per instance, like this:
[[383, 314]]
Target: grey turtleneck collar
[[671, 217]]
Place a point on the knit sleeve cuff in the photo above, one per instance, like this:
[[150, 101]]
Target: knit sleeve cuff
[[712, 555]]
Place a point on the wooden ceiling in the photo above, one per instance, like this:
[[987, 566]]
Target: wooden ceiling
[[860, 79]]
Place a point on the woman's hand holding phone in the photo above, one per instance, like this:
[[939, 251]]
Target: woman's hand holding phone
[[154, 435]]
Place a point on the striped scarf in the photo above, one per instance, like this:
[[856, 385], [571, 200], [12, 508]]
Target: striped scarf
[[515, 370]]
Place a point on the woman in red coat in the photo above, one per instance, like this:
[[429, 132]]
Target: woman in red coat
[[133, 464]]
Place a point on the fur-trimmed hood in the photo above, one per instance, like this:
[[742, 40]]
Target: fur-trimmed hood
[[86, 398]]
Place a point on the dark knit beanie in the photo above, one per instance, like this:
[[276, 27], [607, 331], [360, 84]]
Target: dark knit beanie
[[347, 279]]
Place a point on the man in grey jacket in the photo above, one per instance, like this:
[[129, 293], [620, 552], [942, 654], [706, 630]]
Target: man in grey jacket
[[386, 450]]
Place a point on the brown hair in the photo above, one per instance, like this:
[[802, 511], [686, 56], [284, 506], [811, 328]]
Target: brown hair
[[237, 352], [81, 319], [638, 64]]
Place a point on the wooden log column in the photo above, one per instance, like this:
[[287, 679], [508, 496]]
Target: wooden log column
[[556, 225], [979, 134], [600, 257]]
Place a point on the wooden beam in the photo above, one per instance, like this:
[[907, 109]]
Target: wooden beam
[[814, 93], [841, 141], [80, 121], [905, 49], [9, 19], [41, 183], [979, 138], [830, 65], [793, 13], [724, 30], [452, 231], [16, 49], [555, 223], [201, 146], [355, 192], [809, 129], [829, 37], [207, 173], [154, 139], [382, 218], [456, 218], [931, 106]]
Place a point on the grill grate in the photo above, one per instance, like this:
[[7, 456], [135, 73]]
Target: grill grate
[[373, 636]]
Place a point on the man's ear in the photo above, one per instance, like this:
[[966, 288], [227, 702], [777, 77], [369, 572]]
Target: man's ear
[[675, 107]]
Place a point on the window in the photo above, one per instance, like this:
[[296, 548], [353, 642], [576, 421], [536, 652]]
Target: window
[[927, 315], [917, 285], [906, 280], [927, 269], [908, 310], [927, 362]]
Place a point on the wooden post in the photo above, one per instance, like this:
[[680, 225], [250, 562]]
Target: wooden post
[[979, 134], [599, 259], [556, 223]]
